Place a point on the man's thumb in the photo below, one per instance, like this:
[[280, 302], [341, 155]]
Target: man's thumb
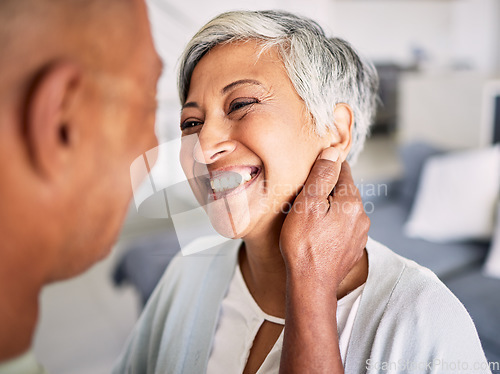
[[324, 174]]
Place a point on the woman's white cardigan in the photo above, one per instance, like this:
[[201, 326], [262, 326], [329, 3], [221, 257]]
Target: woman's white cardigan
[[407, 321]]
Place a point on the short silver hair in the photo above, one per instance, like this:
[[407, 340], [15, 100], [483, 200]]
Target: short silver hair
[[324, 71]]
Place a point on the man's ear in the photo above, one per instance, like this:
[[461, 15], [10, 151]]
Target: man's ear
[[48, 123], [344, 121]]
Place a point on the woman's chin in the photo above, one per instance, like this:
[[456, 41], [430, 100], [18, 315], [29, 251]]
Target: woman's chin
[[229, 230], [227, 221]]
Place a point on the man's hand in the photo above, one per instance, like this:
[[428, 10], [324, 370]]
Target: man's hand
[[322, 239], [326, 231]]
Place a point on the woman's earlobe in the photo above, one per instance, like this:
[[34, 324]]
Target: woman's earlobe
[[48, 132], [344, 121]]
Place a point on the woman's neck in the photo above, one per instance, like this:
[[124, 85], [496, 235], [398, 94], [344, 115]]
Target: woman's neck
[[264, 272]]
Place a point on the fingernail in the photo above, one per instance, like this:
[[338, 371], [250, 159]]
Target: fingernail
[[331, 154]]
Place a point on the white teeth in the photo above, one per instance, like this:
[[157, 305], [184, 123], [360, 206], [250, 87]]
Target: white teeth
[[215, 184], [229, 182]]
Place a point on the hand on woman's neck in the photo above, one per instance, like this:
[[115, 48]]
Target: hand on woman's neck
[[355, 278], [264, 272]]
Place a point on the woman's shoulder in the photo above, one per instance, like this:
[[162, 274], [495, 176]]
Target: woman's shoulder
[[199, 258], [178, 319], [413, 316], [407, 281], [407, 316], [205, 262]]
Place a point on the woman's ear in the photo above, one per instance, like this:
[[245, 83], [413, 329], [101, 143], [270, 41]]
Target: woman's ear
[[48, 127], [344, 120]]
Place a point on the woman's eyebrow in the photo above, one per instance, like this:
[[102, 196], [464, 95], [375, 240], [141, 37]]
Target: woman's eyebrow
[[190, 104], [240, 82]]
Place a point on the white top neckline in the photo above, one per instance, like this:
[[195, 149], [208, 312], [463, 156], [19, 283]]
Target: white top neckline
[[240, 319], [240, 281]]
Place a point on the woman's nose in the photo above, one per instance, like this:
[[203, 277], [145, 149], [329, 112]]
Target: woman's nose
[[213, 143]]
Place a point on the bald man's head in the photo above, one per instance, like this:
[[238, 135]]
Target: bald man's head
[[35, 32], [78, 101]]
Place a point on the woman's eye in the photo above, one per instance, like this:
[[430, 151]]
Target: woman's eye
[[189, 124], [238, 104]]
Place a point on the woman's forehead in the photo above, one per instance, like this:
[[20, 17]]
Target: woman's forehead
[[231, 62]]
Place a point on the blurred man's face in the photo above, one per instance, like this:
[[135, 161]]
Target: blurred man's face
[[118, 119]]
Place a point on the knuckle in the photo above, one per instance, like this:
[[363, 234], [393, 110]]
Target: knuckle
[[357, 209], [312, 205], [326, 171], [367, 221]]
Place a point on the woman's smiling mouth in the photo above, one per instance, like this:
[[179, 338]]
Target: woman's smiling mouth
[[229, 181]]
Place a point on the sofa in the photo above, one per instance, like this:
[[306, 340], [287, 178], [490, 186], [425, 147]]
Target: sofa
[[458, 264]]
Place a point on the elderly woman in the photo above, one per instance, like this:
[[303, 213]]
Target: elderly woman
[[263, 94]]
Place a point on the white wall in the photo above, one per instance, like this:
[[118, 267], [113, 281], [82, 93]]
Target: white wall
[[476, 33], [450, 31], [443, 109], [389, 30], [438, 105]]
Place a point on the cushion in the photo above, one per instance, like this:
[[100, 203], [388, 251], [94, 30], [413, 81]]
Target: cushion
[[492, 265], [444, 259], [413, 156], [457, 196]]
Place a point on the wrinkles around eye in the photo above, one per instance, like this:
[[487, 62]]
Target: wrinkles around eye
[[241, 103], [235, 106]]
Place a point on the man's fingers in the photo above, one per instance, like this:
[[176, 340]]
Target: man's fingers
[[345, 173], [345, 183], [324, 175]]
